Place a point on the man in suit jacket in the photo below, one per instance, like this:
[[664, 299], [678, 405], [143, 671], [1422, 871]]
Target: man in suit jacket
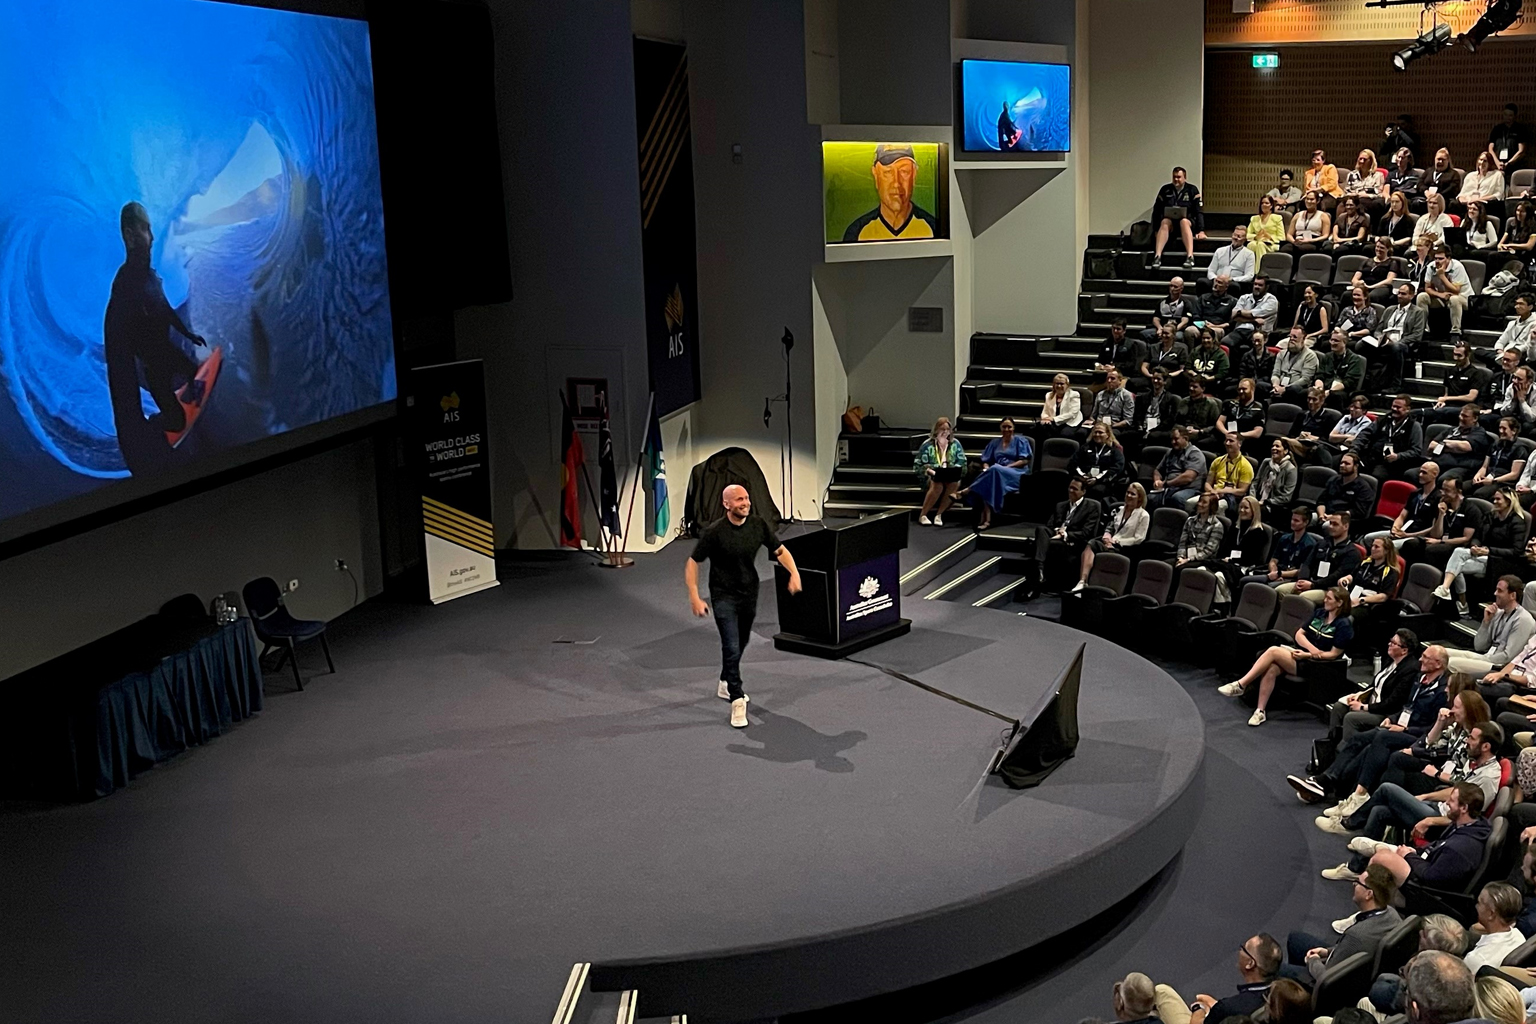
[[1073, 523], [1386, 352], [1156, 412], [1387, 695], [1373, 893]]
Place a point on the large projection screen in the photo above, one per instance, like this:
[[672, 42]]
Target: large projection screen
[[192, 269]]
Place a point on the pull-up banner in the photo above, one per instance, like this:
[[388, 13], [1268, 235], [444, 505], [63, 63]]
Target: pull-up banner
[[446, 406]]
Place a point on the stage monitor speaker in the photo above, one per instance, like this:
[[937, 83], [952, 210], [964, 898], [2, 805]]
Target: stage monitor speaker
[[1043, 740]]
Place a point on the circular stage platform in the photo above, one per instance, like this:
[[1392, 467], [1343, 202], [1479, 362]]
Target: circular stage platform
[[841, 847]]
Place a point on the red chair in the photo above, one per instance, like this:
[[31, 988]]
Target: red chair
[[1394, 497]]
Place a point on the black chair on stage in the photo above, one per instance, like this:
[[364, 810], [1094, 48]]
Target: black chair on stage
[[1163, 533], [1154, 578], [1211, 635], [1168, 626], [1342, 984], [1084, 609], [1398, 947], [276, 627]]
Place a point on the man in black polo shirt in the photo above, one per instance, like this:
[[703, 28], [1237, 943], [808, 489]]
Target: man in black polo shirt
[[1393, 446], [1508, 142], [1418, 514], [1464, 383], [1336, 557], [1347, 492], [1258, 961], [1465, 447], [730, 545], [1290, 553], [1244, 415], [1120, 352], [1455, 522]]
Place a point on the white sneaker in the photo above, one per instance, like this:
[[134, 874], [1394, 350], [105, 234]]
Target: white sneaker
[[1340, 873], [1350, 804], [1258, 718], [924, 521], [723, 691], [1232, 689], [1342, 924], [1368, 847], [1333, 825], [1443, 592], [938, 520], [739, 713], [1080, 585]]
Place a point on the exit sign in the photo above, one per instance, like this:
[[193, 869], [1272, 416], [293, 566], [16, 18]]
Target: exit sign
[[1266, 60]]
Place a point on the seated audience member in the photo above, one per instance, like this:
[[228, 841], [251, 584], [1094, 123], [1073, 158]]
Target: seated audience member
[[1375, 917], [1508, 141], [1498, 907], [1005, 462], [1200, 540], [1459, 453], [1411, 722], [1384, 698], [1285, 197], [1446, 284], [1501, 535], [1063, 408], [1378, 274], [1484, 185], [1517, 333], [1291, 552], [1465, 382], [1498, 1001], [1179, 200], [1441, 179], [1113, 405], [1295, 369], [1519, 236], [1255, 311], [1169, 355], [1322, 639], [1482, 230], [1309, 229], [1351, 230], [1418, 263], [1417, 517], [1340, 372], [1230, 476], [1401, 330], [1455, 523], [1244, 415], [1266, 229], [1246, 551], [1119, 352], [1310, 429], [1287, 1003], [1234, 261], [1417, 768], [1438, 986], [1254, 362], [1127, 528], [1449, 860], [1176, 311], [1358, 320], [1199, 414], [1517, 676], [1396, 225], [1403, 177], [1209, 363], [1321, 179], [1373, 583], [1518, 403], [1274, 483], [1433, 225], [1346, 493], [1366, 183], [1394, 446], [1335, 557], [1100, 464], [1180, 475], [1135, 1001], [1438, 932], [1502, 466], [940, 464], [1072, 524], [1525, 487], [1258, 961], [1311, 315], [1213, 310], [1157, 410], [1355, 422]]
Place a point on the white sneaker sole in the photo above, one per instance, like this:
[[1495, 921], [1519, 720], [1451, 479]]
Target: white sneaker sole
[[739, 714]]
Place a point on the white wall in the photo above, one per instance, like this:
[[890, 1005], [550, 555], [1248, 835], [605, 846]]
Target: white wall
[[1146, 94], [290, 522]]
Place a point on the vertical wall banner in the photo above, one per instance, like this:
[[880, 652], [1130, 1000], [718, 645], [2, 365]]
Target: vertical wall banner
[[667, 222], [446, 406]]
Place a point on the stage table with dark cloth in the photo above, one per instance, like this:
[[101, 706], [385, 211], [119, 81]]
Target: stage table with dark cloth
[[89, 721]]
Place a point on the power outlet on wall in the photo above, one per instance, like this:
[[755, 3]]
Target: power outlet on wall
[[341, 565], [293, 585]]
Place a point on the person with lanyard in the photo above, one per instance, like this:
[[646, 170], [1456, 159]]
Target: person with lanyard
[[1519, 403], [1005, 462], [1374, 919], [730, 546], [1213, 310], [1346, 493], [1516, 677], [1395, 227], [1506, 625], [1418, 513], [1127, 528], [1482, 228], [1120, 352], [1499, 386], [939, 465], [1235, 262], [1435, 222], [1517, 333], [1357, 320], [1253, 365], [1519, 238], [1295, 368], [1244, 415], [1351, 230], [1311, 315], [1113, 405], [1230, 476], [1502, 466], [1178, 200], [1507, 141], [1200, 540], [1169, 355], [1157, 410], [1340, 372], [1441, 179], [1355, 421], [1178, 477], [1071, 526], [1062, 409], [1446, 285], [1290, 553], [1266, 229], [1175, 312], [1249, 547], [1501, 535], [1208, 363], [1274, 483], [1366, 183], [1484, 184], [1384, 698], [1311, 428], [1455, 522], [1336, 557], [1321, 179], [1402, 329], [1199, 415], [1447, 738], [1258, 961], [1460, 452], [1394, 446], [1309, 229], [1372, 585], [1255, 311], [1322, 639], [1100, 465], [1465, 384], [1418, 715]]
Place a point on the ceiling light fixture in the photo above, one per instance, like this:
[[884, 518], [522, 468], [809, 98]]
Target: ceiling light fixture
[[1499, 15], [1428, 44]]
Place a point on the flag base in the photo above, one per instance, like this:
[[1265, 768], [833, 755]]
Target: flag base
[[616, 562]]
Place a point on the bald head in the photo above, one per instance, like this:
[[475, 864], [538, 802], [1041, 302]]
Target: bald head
[[737, 502]]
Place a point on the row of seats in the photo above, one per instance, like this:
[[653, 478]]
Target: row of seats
[[1320, 268]]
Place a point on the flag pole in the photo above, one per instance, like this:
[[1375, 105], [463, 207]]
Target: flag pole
[[645, 434], [587, 477], [613, 557]]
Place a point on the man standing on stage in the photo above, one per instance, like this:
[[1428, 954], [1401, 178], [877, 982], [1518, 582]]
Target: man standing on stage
[[730, 545]]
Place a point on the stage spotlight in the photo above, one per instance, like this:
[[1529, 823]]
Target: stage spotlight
[[1499, 16], [1428, 44]]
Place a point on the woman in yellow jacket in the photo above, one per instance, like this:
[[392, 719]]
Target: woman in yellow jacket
[[1266, 230], [1322, 176]]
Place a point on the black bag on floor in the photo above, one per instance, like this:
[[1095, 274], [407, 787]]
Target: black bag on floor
[[1101, 264], [1140, 235]]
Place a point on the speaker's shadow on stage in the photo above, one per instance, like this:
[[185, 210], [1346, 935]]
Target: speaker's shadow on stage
[[787, 741]]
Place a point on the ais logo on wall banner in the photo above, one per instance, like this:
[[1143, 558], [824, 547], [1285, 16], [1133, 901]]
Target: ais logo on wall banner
[[446, 406]]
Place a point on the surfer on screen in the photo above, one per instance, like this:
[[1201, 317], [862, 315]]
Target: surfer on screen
[[138, 341], [1007, 132]]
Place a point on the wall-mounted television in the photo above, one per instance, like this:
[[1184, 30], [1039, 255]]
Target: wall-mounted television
[[1015, 107], [192, 263]]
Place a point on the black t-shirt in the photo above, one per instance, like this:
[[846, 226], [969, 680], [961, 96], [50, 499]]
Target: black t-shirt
[[731, 551], [1507, 138]]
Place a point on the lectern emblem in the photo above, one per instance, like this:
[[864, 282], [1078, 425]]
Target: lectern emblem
[[870, 587]]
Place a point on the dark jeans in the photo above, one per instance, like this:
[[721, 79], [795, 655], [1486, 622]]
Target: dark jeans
[[733, 617], [1296, 946], [1389, 805], [1363, 758]]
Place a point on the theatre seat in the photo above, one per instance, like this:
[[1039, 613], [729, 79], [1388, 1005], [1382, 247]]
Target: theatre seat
[[1342, 984], [1084, 609], [1163, 533], [1153, 579], [1166, 629], [1211, 636], [1295, 612], [276, 627], [1398, 947]]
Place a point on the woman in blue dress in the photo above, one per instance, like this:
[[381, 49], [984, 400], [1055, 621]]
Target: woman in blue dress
[[1006, 459]]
